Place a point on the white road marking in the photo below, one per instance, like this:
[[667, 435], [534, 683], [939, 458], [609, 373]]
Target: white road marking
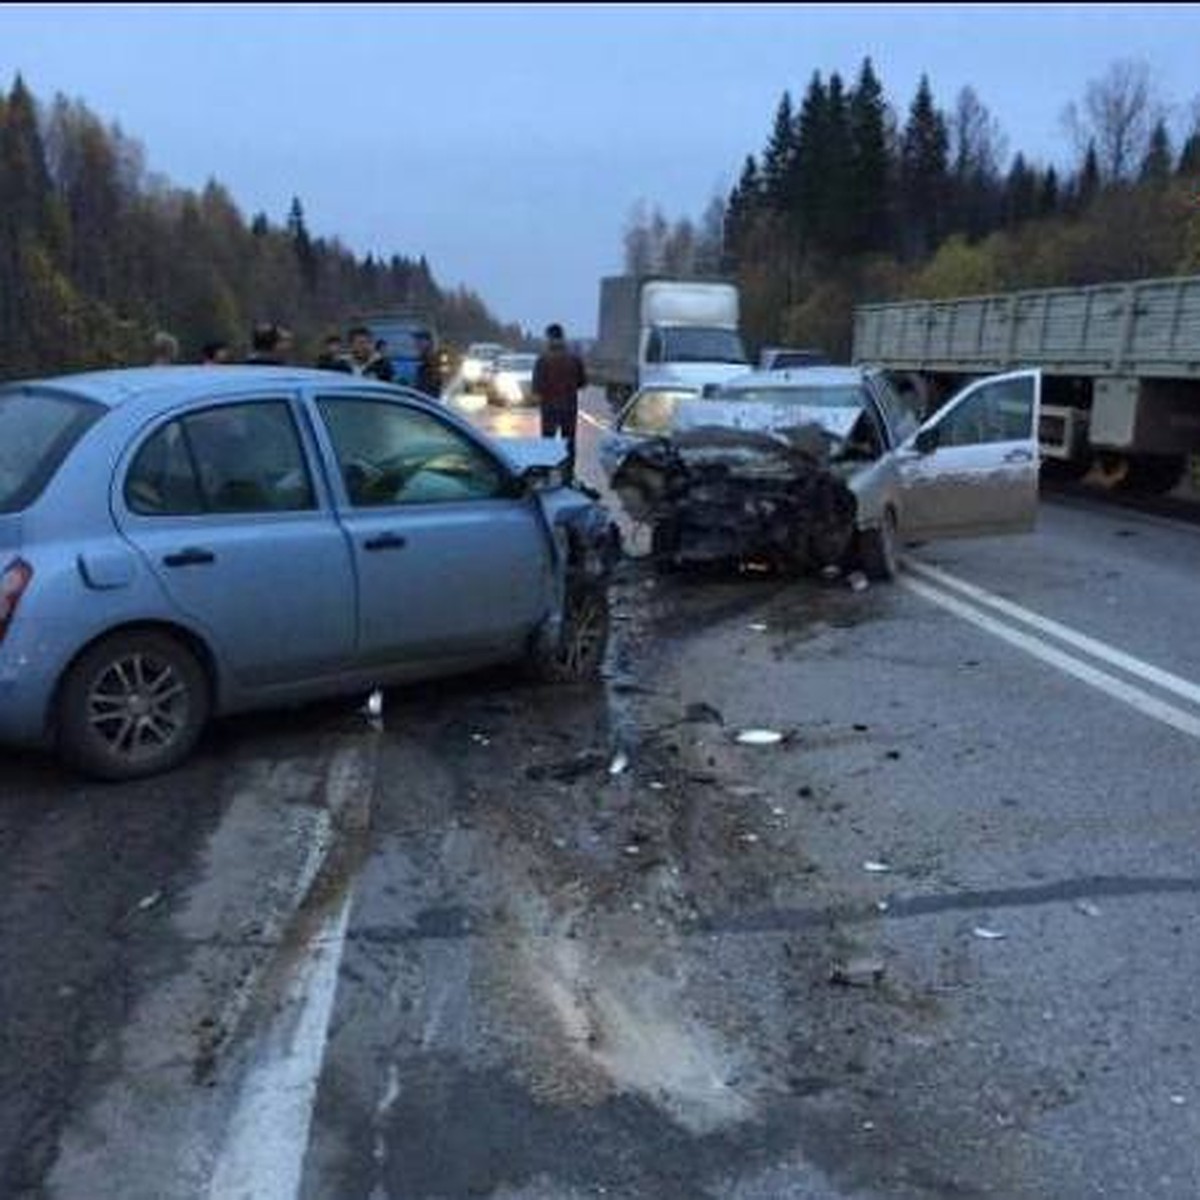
[[262, 1157], [1183, 688], [1135, 697], [587, 416]]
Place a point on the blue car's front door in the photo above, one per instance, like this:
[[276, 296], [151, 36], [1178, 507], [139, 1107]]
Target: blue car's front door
[[452, 561], [223, 506]]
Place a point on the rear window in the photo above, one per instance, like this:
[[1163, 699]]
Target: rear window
[[37, 432]]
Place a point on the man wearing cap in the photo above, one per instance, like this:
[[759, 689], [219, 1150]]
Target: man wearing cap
[[557, 377]]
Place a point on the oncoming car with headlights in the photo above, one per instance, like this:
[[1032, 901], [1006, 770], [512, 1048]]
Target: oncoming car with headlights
[[511, 380], [178, 543]]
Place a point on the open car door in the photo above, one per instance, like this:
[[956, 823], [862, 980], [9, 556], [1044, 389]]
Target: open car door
[[972, 468]]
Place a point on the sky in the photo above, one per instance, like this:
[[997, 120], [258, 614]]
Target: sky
[[510, 143]]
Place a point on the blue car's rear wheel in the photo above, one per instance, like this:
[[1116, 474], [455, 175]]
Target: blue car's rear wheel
[[134, 704], [578, 652]]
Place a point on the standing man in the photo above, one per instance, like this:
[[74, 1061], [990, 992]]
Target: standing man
[[364, 359], [268, 345], [429, 371], [557, 377]]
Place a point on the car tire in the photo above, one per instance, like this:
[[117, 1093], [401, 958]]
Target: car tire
[[879, 549], [578, 652], [132, 705]]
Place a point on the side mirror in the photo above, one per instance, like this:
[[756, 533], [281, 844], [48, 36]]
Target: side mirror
[[929, 439]]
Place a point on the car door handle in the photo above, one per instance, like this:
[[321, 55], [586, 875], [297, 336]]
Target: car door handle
[[386, 541], [192, 556], [1018, 456]]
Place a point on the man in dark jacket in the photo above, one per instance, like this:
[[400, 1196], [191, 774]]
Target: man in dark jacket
[[557, 377], [268, 345], [429, 371]]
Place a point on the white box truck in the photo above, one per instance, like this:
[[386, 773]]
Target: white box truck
[[666, 331]]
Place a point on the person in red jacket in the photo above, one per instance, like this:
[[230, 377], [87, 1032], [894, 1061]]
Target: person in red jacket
[[558, 376]]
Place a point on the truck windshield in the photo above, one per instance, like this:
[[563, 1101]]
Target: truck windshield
[[694, 344], [37, 432]]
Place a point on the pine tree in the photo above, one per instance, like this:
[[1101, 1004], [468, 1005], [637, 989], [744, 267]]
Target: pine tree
[[808, 189], [779, 156], [1156, 165], [923, 175], [1048, 197], [1020, 193], [868, 166], [302, 244]]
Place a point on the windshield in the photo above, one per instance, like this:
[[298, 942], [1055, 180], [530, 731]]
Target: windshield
[[516, 362], [691, 344], [36, 433], [848, 395]]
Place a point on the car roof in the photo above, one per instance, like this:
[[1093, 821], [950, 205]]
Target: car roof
[[803, 377], [167, 385]]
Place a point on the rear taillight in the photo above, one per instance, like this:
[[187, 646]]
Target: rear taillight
[[13, 583]]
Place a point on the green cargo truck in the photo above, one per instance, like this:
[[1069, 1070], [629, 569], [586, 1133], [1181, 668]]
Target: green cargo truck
[[1120, 367]]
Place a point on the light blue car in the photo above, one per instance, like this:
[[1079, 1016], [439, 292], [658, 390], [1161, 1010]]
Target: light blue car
[[179, 542]]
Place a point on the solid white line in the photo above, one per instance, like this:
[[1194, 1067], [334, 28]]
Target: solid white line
[[264, 1158], [1183, 688], [1149, 705]]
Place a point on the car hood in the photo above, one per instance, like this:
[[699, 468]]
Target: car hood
[[690, 375], [10, 536], [523, 453], [763, 416]]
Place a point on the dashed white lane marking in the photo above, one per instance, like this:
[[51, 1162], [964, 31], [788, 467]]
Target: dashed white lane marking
[[1183, 688], [1135, 697]]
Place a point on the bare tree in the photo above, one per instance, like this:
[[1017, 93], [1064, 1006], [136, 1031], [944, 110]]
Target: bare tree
[[639, 248], [1119, 113], [978, 147]]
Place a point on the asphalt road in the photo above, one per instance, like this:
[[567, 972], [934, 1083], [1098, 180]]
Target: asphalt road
[[938, 941]]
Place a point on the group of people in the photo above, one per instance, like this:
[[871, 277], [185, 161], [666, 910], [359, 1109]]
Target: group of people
[[271, 345], [558, 375]]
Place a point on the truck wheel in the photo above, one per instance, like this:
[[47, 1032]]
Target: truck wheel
[[133, 705], [879, 549], [579, 651], [1155, 474]]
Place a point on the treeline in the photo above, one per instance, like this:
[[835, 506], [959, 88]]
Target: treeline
[[847, 204], [97, 254]]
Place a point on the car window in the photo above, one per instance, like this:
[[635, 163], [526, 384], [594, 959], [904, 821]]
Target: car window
[[652, 412], [391, 454], [900, 410], [235, 458], [37, 432], [654, 347], [999, 411]]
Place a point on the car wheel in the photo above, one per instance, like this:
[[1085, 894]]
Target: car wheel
[[582, 641], [879, 549], [133, 705]]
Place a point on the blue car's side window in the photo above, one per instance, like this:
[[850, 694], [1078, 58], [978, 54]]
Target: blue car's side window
[[390, 454], [231, 458]]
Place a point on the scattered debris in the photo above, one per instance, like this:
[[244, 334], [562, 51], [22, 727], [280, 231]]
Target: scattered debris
[[703, 714], [830, 572], [745, 791], [876, 868], [657, 785], [858, 581], [481, 739], [862, 971], [1088, 908], [757, 627], [567, 770], [632, 850], [1178, 1099], [860, 728], [148, 902], [619, 764], [989, 935], [760, 737], [894, 755], [750, 837], [882, 905]]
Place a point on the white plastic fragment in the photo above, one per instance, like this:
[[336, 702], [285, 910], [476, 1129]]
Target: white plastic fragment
[[760, 737], [876, 868], [619, 763], [757, 627], [632, 850], [148, 902], [749, 837], [831, 571], [1088, 908], [375, 704], [481, 739], [989, 935], [858, 581], [657, 785], [1178, 1099]]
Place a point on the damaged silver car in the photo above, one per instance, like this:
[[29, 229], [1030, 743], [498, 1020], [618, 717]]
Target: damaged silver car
[[825, 466]]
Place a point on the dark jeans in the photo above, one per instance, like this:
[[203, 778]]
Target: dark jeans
[[562, 418]]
